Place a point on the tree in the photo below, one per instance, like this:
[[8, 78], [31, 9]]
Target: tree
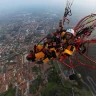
[[35, 85], [9, 92], [53, 76], [53, 89]]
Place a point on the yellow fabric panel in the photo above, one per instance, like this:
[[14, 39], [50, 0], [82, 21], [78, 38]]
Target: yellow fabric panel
[[62, 34], [39, 55], [69, 47], [39, 47], [46, 60], [68, 51], [52, 49], [57, 53], [64, 41]]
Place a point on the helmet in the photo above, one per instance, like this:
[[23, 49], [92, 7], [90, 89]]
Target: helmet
[[29, 57], [49, 36], [70, 31]]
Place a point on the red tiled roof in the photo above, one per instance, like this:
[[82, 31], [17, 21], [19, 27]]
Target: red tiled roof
[[23, 86], [2, 88]]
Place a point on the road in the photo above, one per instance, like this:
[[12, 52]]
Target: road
[[11, 55], [91, 85]]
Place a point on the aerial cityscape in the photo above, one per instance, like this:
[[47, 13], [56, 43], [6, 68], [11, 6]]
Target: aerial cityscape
[[19, 34]]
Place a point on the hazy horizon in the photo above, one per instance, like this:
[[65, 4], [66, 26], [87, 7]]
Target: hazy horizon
[[7, 5], [79, 8]]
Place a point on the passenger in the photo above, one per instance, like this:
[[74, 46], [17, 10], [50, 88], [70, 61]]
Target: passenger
[[68, 44], [44, 53]]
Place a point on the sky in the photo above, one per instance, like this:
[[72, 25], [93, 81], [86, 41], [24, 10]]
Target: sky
[[80, 8], [17, 3], [77, 5]]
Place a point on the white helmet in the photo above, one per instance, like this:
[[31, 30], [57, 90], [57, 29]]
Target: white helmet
[[70, 31]]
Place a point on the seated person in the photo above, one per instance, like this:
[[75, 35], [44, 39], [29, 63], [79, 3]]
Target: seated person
[[68, 44], [49, 50], [45, 52]]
